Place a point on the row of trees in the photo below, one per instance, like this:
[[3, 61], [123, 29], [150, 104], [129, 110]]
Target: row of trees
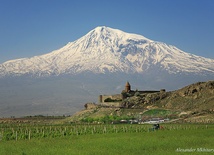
[[106, 119]]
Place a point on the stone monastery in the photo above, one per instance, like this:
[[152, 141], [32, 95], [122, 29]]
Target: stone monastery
[[127, 92]]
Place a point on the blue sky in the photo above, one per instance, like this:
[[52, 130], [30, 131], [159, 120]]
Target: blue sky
[[35, 27]]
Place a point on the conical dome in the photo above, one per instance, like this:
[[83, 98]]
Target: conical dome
[[127, 87], [127, 84]]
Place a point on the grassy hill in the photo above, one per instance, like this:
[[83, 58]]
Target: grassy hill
[[193, 103]]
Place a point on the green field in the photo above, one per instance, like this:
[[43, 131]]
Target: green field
[[108, 140]]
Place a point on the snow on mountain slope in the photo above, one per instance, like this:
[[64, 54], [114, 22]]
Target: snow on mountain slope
[[104, 49]]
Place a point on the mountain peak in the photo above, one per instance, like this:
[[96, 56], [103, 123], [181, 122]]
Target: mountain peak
[[101, 28], [116, 34], [105, 49]]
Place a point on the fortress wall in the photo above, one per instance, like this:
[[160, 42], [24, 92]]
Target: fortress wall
[[102, 98], [148, 91], [105, 97], [114, 97], [109, 104]]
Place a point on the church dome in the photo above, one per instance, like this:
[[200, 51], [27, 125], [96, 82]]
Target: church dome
[[127, 87], [127, 84]]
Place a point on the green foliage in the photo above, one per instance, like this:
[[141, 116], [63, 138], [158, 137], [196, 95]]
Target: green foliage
[[88, 120], [106, 119], [157, 112], [108, 100], [114, 139], [111, 100], [137, 93]]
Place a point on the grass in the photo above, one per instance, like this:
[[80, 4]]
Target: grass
[[157, 112], [162, 142]]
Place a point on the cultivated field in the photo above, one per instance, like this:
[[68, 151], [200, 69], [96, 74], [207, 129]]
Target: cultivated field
[[106, 139]]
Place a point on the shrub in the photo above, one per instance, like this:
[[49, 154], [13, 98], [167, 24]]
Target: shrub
[[111, 100], [108, 100]]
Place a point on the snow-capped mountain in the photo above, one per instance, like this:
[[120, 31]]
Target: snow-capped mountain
[[103, 50], [98, 63]]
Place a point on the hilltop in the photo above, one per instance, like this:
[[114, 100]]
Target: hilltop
[[193, 103]]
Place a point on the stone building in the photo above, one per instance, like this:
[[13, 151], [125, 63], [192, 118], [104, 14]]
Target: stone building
[[114, 97], [127, 87], [127, 92]]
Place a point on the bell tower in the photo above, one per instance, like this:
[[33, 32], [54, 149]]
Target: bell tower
[[127, 87]]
